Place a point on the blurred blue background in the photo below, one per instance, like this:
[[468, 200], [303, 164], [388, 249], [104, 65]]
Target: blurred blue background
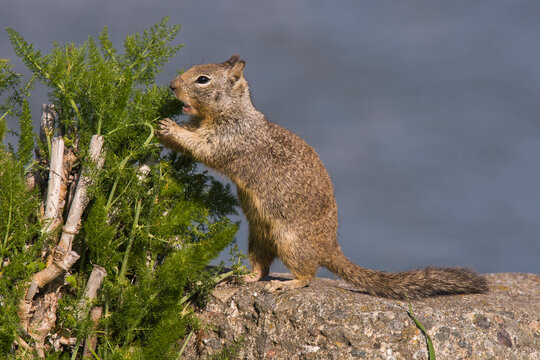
[[426, 113]]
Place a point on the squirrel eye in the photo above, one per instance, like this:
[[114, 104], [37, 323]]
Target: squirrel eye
[[202, 79]]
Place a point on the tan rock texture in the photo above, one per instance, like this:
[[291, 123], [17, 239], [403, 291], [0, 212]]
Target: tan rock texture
[[330, 320]]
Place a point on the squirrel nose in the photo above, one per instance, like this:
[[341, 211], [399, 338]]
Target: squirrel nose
[[175, 83]]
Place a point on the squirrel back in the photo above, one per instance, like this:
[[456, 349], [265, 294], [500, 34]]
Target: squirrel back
[[283, 188]]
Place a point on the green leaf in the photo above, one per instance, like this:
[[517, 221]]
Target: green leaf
[[431, 349], [71, 280]]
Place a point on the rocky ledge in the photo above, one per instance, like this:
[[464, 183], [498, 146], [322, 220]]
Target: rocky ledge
[[330, 320]]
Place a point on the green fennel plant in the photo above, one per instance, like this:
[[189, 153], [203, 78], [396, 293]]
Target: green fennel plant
[[153, 221]]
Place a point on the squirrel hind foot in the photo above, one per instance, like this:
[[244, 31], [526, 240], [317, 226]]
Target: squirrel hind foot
[[275, 285], [252, 277]]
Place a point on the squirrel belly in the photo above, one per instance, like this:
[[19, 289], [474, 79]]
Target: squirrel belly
[[283, 188]]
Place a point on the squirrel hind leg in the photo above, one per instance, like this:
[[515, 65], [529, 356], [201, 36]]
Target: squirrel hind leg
[[299, 257], [258, 271], [260, 256]]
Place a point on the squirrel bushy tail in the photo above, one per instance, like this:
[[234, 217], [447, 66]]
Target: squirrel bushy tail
[[414, 284]]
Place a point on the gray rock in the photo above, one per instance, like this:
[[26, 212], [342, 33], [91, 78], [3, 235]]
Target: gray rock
[[330, 320]]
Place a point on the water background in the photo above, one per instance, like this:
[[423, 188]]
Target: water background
[[425, 113]]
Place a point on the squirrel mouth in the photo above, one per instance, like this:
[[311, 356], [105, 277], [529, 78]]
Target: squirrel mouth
[[187, 108]]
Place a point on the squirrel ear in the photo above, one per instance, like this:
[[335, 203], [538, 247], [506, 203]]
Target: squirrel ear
[[232, 60], [236, 68]]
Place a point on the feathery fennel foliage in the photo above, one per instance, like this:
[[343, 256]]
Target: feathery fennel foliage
[[20, 244], [15, 104], [153, 221]]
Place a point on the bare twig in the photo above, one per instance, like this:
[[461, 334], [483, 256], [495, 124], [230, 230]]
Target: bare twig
[[91, 341], [47, 122], [80, 199], [34, 285], [62, 261], [73, 180], [144, 168], [43, 318], [69, 160], [55, 182], [39, 316], [59, 341], [92, 286], [25, 306], [33, 179], [22, 343], [63, 257]]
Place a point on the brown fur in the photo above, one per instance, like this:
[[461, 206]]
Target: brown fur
[[283, 187]]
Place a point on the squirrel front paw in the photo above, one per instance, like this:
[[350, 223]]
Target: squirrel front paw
[[166, 128], [170, 134]]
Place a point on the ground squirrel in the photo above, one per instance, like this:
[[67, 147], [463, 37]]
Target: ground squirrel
[[283, 188]]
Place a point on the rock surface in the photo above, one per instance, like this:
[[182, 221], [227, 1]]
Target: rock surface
[[330, 320]]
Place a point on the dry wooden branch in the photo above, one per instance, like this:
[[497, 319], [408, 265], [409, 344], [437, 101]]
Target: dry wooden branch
[[22, 343], [33, 179], [51, 272], [25, 306], [63, 257], [39, 316], [80, 200], [144, 168], [51, 217], [43, 317], [69, 160], [94, 282], [62, 262], [91, 341], [59, 341], [90, 292], [74, 180], [47, 122], [52, 203]]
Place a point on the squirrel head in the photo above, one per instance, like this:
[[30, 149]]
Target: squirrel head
[[211, 90]]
